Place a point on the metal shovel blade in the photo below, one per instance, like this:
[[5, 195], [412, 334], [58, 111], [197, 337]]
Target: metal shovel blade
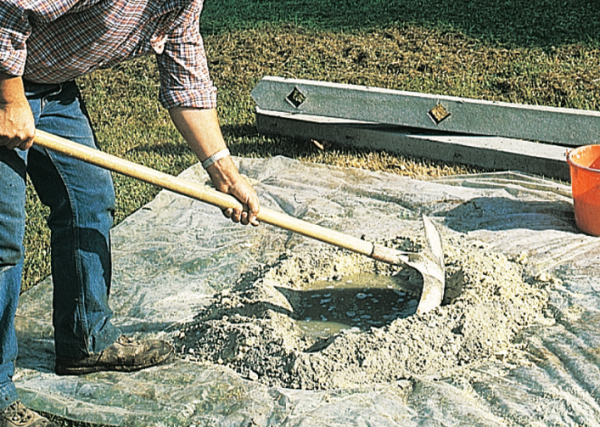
[[429, 262], [434, 280]]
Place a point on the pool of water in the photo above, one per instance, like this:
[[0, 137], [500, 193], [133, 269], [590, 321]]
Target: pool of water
[[363, 301]]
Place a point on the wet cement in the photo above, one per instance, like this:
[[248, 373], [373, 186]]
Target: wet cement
[[331, 319]]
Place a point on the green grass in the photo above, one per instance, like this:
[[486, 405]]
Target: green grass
[[537, 52], [541, 23]]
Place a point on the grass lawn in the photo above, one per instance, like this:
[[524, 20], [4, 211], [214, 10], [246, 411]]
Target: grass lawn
[[539, 52]]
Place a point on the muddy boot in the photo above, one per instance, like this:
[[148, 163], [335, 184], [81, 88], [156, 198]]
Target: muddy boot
[[17, 415], [124, 355]]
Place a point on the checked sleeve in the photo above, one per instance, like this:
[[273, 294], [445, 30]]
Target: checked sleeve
[[15, 27], [185, 79], [14, 30]]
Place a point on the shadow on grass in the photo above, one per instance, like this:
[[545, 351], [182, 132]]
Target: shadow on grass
[[243, 141], [173, 149], [246, 141], [536, 23]]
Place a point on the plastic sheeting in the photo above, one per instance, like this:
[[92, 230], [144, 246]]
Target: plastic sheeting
[[173, 254]]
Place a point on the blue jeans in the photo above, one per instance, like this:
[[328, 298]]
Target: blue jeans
[[81, 201]]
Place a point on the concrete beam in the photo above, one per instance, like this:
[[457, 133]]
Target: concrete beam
[[497, 153], [448, 114]]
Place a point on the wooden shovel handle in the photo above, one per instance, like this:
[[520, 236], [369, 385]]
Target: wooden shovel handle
[[200, 192]]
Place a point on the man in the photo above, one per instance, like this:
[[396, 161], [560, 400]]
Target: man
[[44, 45]]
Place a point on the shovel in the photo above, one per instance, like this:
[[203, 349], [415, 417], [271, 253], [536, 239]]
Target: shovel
[[429, 263]]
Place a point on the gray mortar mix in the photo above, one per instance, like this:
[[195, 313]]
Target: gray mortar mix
[[248, 328]]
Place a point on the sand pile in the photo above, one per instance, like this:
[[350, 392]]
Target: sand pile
[[302, 323]]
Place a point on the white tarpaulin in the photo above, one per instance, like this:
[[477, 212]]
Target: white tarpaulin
[[172, 255]]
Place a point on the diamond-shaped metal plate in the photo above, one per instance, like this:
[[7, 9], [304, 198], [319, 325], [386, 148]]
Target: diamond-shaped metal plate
[[296, 97], [439, 113]]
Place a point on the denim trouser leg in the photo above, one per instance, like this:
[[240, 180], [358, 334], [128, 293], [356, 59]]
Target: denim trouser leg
[[12, 228], [81, 201]]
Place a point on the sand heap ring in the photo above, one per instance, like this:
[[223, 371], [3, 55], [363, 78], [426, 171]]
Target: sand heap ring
[[255, 329]]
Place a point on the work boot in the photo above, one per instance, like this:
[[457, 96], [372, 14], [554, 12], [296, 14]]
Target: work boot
[[17, 415], [124, 355]]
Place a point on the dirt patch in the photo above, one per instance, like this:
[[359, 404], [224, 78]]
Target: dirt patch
[[366, 333]]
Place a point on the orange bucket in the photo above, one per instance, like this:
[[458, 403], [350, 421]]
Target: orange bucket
[[584, 165]]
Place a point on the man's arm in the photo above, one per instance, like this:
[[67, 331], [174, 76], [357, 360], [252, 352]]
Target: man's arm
[[17, 126], [200, 128]]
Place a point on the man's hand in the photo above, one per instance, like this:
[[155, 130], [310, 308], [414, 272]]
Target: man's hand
[[227, 179], [200, 128], [17, 126]]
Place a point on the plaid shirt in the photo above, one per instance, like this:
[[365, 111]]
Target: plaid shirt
[[52, 41]]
